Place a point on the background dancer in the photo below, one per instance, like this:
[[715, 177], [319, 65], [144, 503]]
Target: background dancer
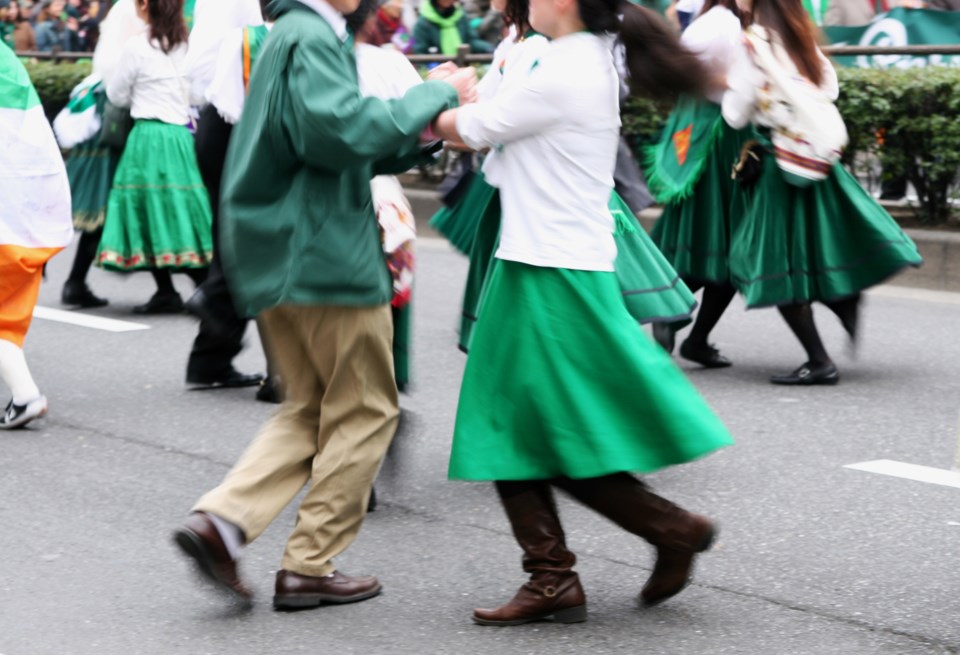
[[323, 299], [824, 242], [689, 171], [159, 210], [224, 45], [561, 386], [34, 226], [91, 165]]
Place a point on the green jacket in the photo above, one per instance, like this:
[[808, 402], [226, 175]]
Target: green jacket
[[298, 220]]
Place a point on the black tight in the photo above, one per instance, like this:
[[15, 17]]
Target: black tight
[[716, 299], [164, 279], [799, 318], [86, 253]]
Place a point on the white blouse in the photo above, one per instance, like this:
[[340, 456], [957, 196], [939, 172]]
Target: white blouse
[[153, 84], [745, 79], [557, 135], [715, 37]]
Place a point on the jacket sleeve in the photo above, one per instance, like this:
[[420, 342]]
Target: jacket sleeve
[[332, 127]]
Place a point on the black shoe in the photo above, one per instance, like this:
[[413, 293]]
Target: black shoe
[[79, 295], [198, 305], [665, 336], [232, 379], [809, 375], [269, 391], [705, 355], [167, 303], [17, 416]]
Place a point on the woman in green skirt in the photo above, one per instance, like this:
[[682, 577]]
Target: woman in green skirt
[[562, 388], [823, 242], [159, 216], [651, 288], [689, 172]]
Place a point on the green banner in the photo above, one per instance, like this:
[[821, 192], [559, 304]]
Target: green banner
[[900, 27]]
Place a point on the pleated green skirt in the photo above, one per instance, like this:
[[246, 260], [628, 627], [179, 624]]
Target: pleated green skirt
[[561, 381], [159, 211], [694, 232], [459, 223], [823, 242], [90, 169], [652, 291]]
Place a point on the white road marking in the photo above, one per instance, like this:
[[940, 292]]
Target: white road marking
[[915, 472], [86, 320]]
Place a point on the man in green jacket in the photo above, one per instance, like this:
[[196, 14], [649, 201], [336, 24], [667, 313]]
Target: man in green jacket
[[301, 248]]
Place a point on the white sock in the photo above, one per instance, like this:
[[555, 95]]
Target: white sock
[[231, 534], [14, 371]]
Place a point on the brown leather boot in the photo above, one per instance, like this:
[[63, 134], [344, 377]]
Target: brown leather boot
[[677, 534], [554, 588]]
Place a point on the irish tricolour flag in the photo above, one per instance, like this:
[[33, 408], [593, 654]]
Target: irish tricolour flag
[[35, 215]]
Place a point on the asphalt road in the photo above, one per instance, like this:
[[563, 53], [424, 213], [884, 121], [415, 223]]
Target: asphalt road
[[813, 557]]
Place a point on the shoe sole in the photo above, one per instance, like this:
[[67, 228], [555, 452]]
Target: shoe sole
[[824, 382], [305, 601], [570, 615], [194, 548]]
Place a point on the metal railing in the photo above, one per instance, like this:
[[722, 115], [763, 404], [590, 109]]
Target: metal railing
[[464, 55]]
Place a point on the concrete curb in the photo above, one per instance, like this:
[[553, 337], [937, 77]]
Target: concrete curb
[[940, 249]]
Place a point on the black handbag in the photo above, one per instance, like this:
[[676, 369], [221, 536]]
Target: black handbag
[[116, 126], [749, 165]]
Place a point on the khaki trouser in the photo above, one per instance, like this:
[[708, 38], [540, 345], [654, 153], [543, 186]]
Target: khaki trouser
[[339, 413]]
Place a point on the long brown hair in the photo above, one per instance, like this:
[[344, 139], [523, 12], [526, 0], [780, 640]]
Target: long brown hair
[[797, 32], [167, 26], [517, 14], [659, 65]]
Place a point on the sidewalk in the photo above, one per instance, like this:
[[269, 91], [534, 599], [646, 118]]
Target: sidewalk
[[940, 248]]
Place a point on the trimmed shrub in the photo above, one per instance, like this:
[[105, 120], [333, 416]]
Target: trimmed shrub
[[55, 81]]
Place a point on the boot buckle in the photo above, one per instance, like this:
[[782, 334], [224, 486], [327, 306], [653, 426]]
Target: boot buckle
[[550, 591]]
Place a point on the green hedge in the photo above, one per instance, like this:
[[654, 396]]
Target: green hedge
[[907, 120], [55, 81]]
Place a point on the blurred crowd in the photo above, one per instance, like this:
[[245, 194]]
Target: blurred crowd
[[420, 27], [48, 25]]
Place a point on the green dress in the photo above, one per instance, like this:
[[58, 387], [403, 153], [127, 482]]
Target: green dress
[[561, 381], [650, 288], [824, 242], [90, 169], [459, 223], [689, 171], [159, 209]]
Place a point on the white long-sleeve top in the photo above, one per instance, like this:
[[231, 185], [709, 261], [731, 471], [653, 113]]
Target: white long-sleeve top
[[744, 80], [152, 83], [120, 25], [213, 20], [715, 37], [557, 133], [226, 91]]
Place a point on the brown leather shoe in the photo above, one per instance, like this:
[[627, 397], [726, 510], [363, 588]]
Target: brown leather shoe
[[546, 595], [674, 565], [200, 541], [295, 591]]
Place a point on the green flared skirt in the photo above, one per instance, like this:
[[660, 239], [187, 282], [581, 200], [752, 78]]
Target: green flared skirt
[[823, 242], [402, 334], [90, 169], [694, 231], [159, 210], [561, 381], [459, 223], [652, 290]]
